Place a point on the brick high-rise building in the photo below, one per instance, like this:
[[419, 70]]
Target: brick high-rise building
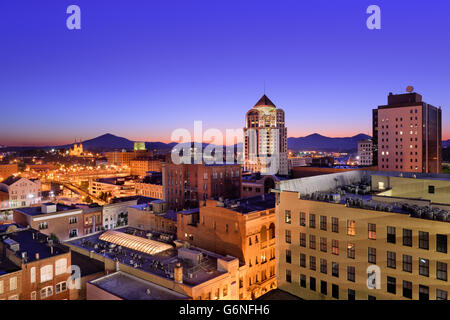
[[407, 135], [265, 135]]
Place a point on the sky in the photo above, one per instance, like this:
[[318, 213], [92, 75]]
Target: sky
[[142, 68]]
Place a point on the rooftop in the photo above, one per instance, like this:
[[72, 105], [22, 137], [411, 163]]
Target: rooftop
[[87, 265], [264, 101], [32, 241], [128, 287], [252, 204], [140, 199], [161, 263], [11, 180], [35, 211]]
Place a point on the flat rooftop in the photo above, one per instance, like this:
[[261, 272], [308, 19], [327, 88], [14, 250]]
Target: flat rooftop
[[252, 204], [7, 266], [32, 241], [161, 264], [87, 265], [36, 211], [128, 287]]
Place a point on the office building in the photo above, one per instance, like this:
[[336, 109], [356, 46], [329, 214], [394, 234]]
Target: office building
[[365, 152]]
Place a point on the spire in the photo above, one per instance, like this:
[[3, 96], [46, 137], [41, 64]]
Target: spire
[[264, 101]]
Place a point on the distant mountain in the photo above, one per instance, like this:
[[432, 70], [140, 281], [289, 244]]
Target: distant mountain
[[446, 143], [106, 142], [318, 142]]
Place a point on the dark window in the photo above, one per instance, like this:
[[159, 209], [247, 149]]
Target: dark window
[[288, 276], [312, 241], [312, 263], [441, 243], [312, 283], [407, 237], [312, 220], [407, 289], [335, 291], [369, 297], [351, 250], [441, 294], [424, 292], [323, 287], [302, 281], [423, 240], [372, 255], [351, 274], [335, 247], [302, 239], [335, 269], [407, 263], [391, 260], [424, 267], [323, 223], [323, 244], [391, 285], [288, 256], [441, 270], [288, 236], [302, 219], [351, 294], [302, 260], [372, 231], [323, 266], [335, 224], [430, 189], [391, 234]]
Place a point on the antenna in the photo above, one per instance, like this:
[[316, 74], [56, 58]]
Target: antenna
[[264, 87]]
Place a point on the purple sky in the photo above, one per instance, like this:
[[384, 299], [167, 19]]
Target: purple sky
[[142, 68]]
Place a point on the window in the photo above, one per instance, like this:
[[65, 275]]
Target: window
[[407, 237], [335, 247], [424, 292], [60, 266], [407, 289], [391, 260], [351, 274], [424, 267], [430, 189], [2, 287], [302, 281], [351, 294], [302, 239], [312, 283], [287, 216], [61, 287], [43, 225], [33, 274], [335, 291], [312, 241], [33, 295], [441, 270], [312, 263], [369, 297], [372, 255], [73, 233], [351, 227], [302, 260], [372, 231], [323, 266], [323, 287], [441, 243], [288, 236], [391, 234], [12, 283], [73, 220], [312, 220], [407, 263], [288, 276], [351, 250], [441, 294], [224, 291], [391, 285], [46, 292], [323, 244], [335, 269], [323, 223], [302, 219], [288, 256], [335, 225], [46, 273], [423, 240]]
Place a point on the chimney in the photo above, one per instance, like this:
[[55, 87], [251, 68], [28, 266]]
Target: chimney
[[117, 265], [178, 273], [37, 255], [51, 250]]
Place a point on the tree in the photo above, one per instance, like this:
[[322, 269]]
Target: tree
[[88, 199]]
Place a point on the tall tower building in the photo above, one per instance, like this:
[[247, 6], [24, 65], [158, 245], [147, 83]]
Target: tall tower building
[[407, 135], [265, 139]]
